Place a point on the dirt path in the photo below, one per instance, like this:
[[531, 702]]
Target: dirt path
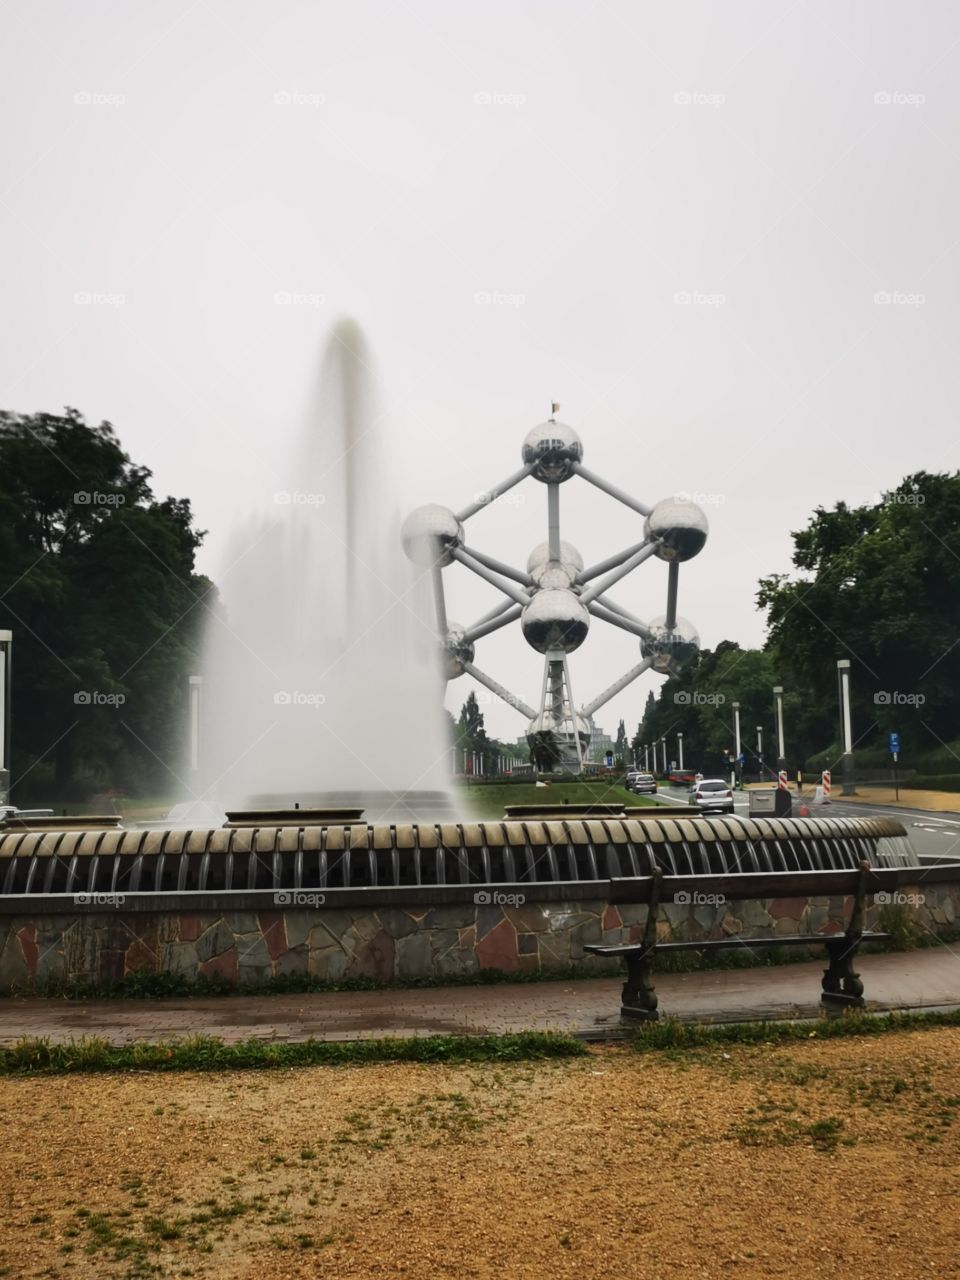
[[819, 1159]]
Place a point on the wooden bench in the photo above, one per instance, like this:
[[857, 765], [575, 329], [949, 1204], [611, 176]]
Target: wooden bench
[[840, 984]]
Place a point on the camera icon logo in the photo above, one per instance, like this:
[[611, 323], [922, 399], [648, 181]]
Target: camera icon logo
[[682, 899], [482, 898]]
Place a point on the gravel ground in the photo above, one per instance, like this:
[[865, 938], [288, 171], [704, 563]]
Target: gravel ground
[[834, 1158]]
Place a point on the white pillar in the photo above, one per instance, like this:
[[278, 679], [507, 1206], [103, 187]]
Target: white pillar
[[6, 710], [680, 750], [846, 724], [778, 704], [736, 740]]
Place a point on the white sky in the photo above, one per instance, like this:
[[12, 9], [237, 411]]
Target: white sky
[[577, 186]]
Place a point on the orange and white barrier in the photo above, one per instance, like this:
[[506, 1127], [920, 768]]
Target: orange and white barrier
[[782, 780], [825, 783]]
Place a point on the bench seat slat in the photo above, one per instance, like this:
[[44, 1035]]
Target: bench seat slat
[[735, 940]]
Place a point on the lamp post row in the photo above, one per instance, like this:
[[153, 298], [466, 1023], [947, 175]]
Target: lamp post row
[[846, 727]]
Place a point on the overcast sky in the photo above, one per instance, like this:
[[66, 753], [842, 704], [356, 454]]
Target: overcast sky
[[513, 200]]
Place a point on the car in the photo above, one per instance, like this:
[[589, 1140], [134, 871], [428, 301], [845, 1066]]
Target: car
[[642, 784], [712, 795]]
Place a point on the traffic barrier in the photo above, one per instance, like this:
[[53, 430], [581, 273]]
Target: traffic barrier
[[782, 781], [825, 783]]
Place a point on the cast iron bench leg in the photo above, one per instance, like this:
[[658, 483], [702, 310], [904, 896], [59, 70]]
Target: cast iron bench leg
[[841, 985], [638, 998]]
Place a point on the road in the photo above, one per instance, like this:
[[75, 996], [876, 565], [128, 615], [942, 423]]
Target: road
[[930, 833]]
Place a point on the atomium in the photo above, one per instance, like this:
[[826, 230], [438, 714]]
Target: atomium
[[670, 648], [430, 534], [680, 528], [556, 598], [555, 620], [552, 451], [456, 649]]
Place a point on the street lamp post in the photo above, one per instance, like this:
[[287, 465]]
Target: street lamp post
[[680, 750], [6, 711], [760, 748], [778, 705], [663, 744], [736, 740], [846, 725]]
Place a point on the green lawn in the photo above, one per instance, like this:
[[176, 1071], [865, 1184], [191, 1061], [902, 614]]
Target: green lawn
[[488, 800]]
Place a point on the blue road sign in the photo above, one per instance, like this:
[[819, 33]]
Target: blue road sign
[[741, 759], [609, 757], [894, 743]]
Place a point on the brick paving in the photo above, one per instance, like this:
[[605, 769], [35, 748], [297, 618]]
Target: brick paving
[[910, 980]]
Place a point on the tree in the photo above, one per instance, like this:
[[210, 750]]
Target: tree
[[874, 585], [620, 748], [97, 581]]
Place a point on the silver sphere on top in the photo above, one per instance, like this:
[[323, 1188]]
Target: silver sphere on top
[[555, 619], [429, 535], [671, 648], [552, 449], [455, 650], [681, 527]]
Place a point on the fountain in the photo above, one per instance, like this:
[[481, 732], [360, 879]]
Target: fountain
[[320, 681]]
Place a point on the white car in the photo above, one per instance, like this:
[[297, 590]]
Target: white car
[[712, 795]]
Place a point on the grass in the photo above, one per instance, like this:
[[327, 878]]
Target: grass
[[208, 1053], [487, 800], [670, 1035]]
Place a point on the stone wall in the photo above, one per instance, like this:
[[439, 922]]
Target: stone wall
[[102, 944]]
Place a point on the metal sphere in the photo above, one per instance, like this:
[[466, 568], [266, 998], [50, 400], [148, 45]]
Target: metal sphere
[[429, 535], [546, 722], [671, 649], [555, 619], [681, 527], [540, 556], [554, 576], [455, 651], [552, 448]]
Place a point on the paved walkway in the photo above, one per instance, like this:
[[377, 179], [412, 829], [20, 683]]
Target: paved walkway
[[911, 980]]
